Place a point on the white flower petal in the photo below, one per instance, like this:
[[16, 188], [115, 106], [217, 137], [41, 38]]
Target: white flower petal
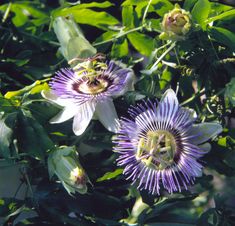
[[129, 82], [83, 117], [169, 97], [66, 114], [107, 115], [168, 107], [49, 95], [205, 131], [206, 147], [193, 113]]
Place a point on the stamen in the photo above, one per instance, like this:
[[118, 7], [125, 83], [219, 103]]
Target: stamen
[[157, 150]]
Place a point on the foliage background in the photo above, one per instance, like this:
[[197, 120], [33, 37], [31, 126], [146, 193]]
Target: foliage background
[[201, 68]]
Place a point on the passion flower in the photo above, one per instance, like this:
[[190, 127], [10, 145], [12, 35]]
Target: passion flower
[[160, 146], [88, 90], [176, 24]]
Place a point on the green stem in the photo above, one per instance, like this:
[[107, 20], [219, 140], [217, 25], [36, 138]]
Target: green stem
[[7, 12], [156, 50], [220, 16], [213, 48], [177, 57], [218, 93], [193, 97], [146, 11], [29, 184], [153, 68], [118, 36], [32, 36]]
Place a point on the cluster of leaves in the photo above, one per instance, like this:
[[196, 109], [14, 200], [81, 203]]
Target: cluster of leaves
[[201, 68]]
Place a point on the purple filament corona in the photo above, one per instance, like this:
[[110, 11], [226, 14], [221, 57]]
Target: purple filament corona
[[156, 146], [81, 86]]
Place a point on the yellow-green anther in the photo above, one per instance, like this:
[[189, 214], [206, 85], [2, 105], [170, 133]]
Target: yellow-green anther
[[157, 150]]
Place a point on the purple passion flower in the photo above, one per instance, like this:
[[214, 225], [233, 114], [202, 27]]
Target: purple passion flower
[[87, 92], [160, 146]]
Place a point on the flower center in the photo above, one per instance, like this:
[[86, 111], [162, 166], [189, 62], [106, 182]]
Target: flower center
[[92, 78], [157, 149], [93, 86]]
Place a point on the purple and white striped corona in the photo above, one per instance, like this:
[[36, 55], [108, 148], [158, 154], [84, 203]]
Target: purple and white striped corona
[[87, 91], [160, 145]]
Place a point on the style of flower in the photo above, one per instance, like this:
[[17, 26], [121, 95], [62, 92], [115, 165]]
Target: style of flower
[[160, 146], [176, 24], [87, 92]]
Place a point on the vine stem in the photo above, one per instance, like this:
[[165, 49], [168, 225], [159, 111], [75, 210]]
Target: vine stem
[[146, 11], [119, 35], [32, 36], [201, 92], [154, 66], [154, 54], [6, 12]]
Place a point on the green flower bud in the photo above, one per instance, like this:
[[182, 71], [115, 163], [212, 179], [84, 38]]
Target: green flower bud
[[176, 24], [64, 163], [72, 41]]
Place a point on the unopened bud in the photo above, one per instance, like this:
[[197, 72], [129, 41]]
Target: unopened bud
[[65, 164], [176, 24], [72, 41]]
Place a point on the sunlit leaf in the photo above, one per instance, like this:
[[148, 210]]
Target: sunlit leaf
[[141, 42], [223, 36], [128, 16], [201, 10], [110, 175], [120, 49], [87, 16]]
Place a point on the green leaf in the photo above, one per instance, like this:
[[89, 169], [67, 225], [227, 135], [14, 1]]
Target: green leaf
[[98, 19], [32, 137], [128, 16], [26, 89], [120, 48], [166, 205], [160, 7], [155, 24], [58, 12], [201, 10], [20, 17], [223, 36], [108, 35], [105, 4], [230, 91], [165, 78], [132, 2], [22, 11], [143, 43], [110, 175], [5, 138], [188, 4], [87, 16]]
